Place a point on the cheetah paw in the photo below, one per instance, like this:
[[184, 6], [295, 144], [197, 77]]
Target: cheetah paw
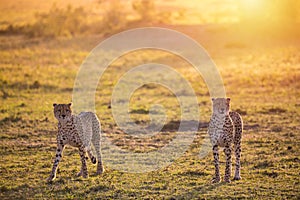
[[216, 180], [50, 179], [236, 178], [100, 171], [79, 174], [85, 175], [227, 180]]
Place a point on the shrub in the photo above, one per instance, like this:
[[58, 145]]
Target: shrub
[[114, 19], [58, 22], [145, 9], [71, 21]]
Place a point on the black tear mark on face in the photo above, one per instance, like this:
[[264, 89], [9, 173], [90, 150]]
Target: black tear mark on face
[[62, 112], [221, 105]]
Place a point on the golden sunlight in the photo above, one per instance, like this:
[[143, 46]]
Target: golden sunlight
[[270, 10], [252, 4], [251, 9]]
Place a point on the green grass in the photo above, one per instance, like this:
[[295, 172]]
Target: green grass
[[263, 84]]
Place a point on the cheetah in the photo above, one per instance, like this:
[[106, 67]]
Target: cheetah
[[225, 128], [81, 131]]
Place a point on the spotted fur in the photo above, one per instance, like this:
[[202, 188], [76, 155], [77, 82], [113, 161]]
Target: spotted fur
[[225, 128], [81, 131]]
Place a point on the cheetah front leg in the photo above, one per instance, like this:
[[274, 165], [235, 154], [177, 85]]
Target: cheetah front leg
[[58, 157], [227, 151], [216, 179], [83, 172]]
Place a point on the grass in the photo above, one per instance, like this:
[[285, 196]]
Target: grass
[[262, 81]]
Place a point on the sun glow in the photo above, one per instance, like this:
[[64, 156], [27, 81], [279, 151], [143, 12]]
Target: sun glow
[[252, 4], [254, 8]]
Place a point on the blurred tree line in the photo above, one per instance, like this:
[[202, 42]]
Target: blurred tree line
[[114, 14], [72, 21]]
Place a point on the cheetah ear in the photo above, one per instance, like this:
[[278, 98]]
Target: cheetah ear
[[228, 100], [54, 104], [212, 99], [70, 104]]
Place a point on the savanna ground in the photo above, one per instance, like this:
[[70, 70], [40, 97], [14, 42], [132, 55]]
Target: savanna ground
[[261, 74]]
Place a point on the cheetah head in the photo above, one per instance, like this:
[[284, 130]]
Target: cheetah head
[[62, 112], [221, 106]]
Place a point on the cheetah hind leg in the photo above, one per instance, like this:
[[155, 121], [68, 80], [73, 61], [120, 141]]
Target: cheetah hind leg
[[100, 168], [92, 157], [237, 174], [238, 126], [96, 141]]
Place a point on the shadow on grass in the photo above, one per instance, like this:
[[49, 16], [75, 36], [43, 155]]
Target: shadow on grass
[[11, 119], [24, 86], [35, 85], [196, 192], [139, 111], [62, 187], [193, 173], [20, 192], [275, 110], [99, 188], [173, 126]]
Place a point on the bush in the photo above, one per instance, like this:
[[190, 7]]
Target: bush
[[145, 9], [58, 22], [73, 21], [114, 19]]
